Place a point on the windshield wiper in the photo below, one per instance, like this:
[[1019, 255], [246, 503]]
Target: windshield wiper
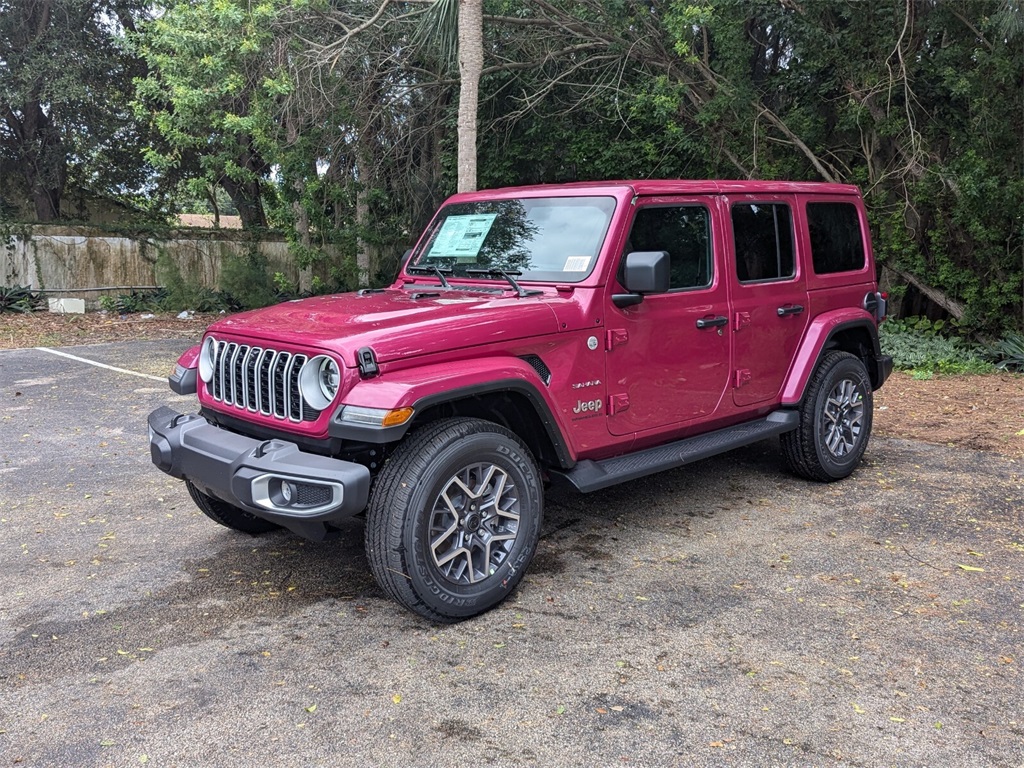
[[433, 269], [508, 275]]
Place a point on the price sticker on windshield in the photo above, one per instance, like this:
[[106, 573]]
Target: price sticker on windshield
[[577, 264], [462, 237]]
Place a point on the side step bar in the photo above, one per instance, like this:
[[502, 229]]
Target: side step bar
[[590, 475]]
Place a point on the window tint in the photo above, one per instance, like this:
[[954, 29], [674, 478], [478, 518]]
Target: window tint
[[763, 234], [836, 244], [685, 233]]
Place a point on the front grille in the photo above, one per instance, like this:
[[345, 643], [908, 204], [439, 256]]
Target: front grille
[[259, 380]]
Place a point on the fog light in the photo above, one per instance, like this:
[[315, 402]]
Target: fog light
[[287, 492]]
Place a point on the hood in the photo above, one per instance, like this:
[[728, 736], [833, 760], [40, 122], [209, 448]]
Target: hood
[[394, 323]]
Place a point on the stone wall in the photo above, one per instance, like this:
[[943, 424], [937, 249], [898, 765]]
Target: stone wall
[[69, 260]]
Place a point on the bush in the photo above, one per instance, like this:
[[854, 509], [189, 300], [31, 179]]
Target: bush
[[1008, 352], [131, 303], [19, 299], [245, 281], [180, 294], [918, 344]]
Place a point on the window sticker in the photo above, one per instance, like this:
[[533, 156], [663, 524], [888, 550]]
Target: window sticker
[[577, 264], [462, 237]]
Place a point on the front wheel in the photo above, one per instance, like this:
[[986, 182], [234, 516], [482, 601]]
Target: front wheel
[[835, 420], [229, 515], [454, 518]]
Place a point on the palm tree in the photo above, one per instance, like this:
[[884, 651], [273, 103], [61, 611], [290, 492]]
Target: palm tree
[[455, 28]]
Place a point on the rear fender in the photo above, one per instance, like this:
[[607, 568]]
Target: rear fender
[[823, 329]]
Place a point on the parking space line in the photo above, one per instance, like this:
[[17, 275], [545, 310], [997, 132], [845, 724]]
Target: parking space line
[[101, 365]]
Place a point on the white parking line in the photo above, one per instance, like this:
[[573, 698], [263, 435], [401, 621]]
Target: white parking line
[[101, 365]]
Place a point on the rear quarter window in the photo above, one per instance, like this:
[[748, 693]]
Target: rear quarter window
[[836, 241]]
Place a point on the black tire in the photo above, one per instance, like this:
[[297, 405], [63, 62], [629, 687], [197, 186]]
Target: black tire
[[433, 540], [228, 515], [835, 420]]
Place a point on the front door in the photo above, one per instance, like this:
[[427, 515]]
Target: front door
[[668, 356]]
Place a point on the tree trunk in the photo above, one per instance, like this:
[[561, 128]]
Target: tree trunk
[[471, 64], [246, 197], [44, 163], [362, 247], [301, 213]]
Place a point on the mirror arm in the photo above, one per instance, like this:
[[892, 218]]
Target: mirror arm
[[622, 300]]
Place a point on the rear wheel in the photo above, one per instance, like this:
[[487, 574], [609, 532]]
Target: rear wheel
[[835, 420], [229, 515], [454, 518]]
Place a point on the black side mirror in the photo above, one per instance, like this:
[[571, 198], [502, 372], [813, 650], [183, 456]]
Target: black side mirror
[[645, 272]]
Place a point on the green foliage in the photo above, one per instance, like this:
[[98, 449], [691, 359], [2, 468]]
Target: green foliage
[[245, 281], [65, 81], [208, 92], [19, 299], [182, 294], [132, 303], [1008, 352], [919, 345]]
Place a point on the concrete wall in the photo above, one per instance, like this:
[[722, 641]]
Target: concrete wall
[[71, 259]]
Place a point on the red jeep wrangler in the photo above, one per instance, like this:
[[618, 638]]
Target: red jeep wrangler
[[590, 333]]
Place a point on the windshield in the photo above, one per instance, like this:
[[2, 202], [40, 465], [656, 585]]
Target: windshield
[[551, 238]]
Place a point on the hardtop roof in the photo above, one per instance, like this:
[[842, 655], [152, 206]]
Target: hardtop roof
[[664, 187]]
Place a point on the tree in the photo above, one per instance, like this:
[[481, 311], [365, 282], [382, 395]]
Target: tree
[[64, 76], [209, 93]]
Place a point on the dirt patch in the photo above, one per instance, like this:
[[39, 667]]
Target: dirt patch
[[45, 329], [977, 412], [984, 413]]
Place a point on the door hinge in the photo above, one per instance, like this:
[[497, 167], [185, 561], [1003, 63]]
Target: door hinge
[[742, 320], [742, 377], [616, 338], [618, 403]]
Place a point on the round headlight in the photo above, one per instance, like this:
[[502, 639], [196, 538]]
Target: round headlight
[[319, 380], [207, 359]]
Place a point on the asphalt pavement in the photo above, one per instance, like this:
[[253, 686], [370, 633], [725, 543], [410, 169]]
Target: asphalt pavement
[[722, 614]]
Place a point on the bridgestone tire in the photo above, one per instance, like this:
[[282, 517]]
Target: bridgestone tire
[[835, 420], [228, 515], [454, 518]]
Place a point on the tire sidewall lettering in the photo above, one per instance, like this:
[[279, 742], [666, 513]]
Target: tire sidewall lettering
[[472, 448]]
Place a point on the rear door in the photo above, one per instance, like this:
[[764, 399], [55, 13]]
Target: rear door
[[668, 356], [769, 295]]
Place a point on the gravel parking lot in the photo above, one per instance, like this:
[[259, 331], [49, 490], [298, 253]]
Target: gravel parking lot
[[722, 614]]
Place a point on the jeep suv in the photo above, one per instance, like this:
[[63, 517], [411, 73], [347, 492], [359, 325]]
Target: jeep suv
[[583, 333]]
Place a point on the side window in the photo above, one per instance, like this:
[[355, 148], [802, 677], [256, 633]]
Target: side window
[[836, 243], [763, 234], [685, 233]]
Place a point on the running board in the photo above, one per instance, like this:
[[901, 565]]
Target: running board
[[590, 475]]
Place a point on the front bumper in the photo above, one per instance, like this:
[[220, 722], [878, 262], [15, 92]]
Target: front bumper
[[272, 479]]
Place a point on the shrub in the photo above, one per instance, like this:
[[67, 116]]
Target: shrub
[[131, 303], [19, 299], [244, 279], [918, 344], [1008, 352], [180, 294]]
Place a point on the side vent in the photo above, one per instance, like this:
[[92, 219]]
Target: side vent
[[538, 365]]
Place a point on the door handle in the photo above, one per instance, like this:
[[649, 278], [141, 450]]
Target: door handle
[[712, 322], [792, 309]]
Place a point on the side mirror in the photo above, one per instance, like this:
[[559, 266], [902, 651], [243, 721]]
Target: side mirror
[[645, 272]]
